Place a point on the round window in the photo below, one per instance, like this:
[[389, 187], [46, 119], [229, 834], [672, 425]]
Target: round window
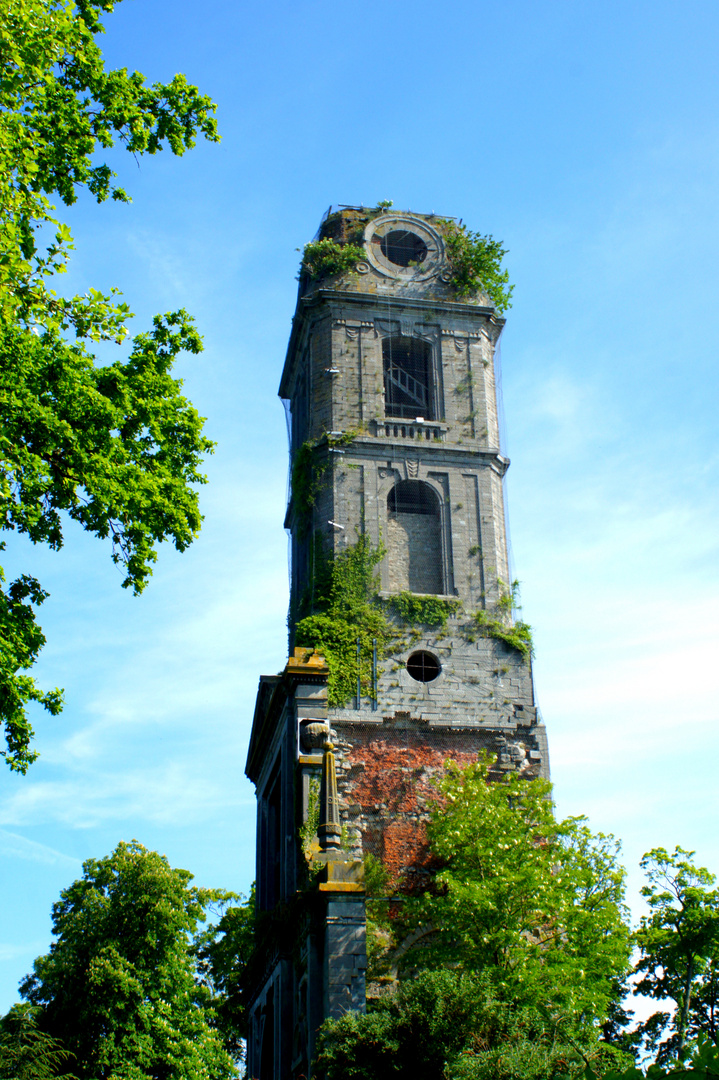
[[423, 667], [403, 248]]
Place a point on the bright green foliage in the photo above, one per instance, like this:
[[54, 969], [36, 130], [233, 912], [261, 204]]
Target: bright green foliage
[[308, 830], [702, 1064], [679, 943], [58, 104], [115, 447], [423, 610], [510, 959], [346, 613], [306, 485], [518, 635], [26, 1052], [20, 642], [450, 1025], [119, 985], [498, 622], [326, 257], [536, 904], [223, 952], [475, 264]]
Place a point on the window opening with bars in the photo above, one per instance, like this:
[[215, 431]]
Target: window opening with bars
[[423, 667], [412, 497], [407, 378], [403, 248]]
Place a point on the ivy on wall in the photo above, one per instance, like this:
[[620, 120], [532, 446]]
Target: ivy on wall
[[498, 622], [307, 475], [431, 611], [347, 608], [346, 613]]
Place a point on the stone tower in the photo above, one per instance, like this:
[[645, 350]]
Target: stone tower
[[404, 651]]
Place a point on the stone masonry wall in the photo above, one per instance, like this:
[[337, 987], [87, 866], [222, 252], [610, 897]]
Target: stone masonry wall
[[387, 777], [414, 553]]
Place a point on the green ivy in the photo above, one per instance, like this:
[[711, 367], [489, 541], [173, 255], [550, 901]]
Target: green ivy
[[348, 612], [306, 483], [517, 635], [498, 622], [475, 265], [307, 477], [308, 830], [324, 258], [342, 438], [423, 610]]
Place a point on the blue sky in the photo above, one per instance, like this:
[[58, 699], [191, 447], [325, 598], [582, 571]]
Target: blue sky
[[585, 135]]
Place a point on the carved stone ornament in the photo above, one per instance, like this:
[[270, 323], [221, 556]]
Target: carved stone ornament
[[407, 328], [313, 735]]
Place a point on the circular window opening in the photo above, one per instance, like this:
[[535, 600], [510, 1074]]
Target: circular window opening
[[403, 248], [423, 667]]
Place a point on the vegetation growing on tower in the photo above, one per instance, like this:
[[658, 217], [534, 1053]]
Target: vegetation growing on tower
[[475, 263]]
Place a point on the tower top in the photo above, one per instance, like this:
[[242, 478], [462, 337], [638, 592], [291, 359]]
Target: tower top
[[404, 264], [386, 251]]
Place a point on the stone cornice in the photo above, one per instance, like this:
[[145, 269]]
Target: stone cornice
[[389, 306]]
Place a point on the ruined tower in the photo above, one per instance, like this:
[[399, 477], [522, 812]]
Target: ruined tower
[[405, 650]]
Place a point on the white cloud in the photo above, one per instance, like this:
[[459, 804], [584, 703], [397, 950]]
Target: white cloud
[[177, 792], [14, 846]]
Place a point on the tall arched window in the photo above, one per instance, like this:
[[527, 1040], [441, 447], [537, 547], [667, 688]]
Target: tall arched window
[[408, 378], [414, 538]]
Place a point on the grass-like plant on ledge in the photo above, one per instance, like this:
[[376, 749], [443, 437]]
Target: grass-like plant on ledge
[[432, 611], [498, 622], [517, 635]]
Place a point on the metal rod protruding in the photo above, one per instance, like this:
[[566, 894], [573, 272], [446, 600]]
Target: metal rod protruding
[[374, 674]]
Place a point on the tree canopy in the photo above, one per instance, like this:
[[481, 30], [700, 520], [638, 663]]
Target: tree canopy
[[116, 447], [120, 988], [517, 946], [679, 944], [27, 1052]]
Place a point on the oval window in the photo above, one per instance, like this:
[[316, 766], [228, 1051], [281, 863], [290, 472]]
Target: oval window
[[423, 667]]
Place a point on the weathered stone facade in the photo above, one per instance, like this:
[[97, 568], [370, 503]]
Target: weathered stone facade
[[368, 350]]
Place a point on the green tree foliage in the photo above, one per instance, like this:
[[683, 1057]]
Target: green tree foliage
[[26, 1052], [475, 265], [326, 257], [450, 1024], [523, 922], [536, 902], [115, 447], [223, 952], [679, 943], [120, 986]]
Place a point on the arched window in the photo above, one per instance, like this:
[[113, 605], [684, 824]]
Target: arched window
[[414, 538], [407, 365]]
